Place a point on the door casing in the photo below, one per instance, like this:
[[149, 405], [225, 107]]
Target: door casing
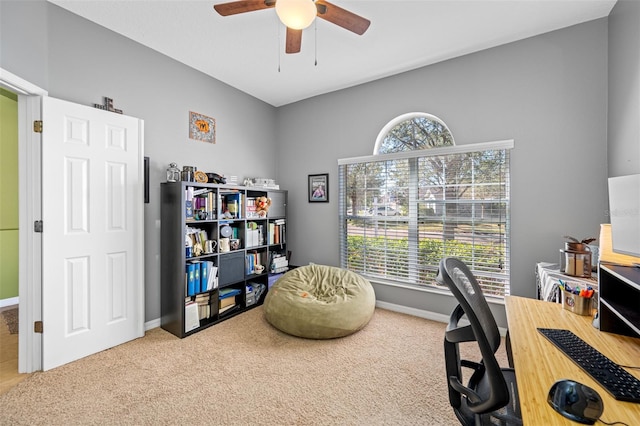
[[29, 210]]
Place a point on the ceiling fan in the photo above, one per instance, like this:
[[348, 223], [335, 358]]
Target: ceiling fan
[[297, 15]]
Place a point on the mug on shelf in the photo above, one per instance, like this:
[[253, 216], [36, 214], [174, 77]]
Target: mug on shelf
[[224, 245], [234, 244], [210, 246]]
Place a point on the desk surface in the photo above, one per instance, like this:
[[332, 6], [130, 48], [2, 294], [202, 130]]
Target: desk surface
[[538, 363]]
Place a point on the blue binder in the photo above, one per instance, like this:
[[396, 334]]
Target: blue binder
[[191, 279]]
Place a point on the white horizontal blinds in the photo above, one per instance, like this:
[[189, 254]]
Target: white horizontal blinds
[[399, 217]]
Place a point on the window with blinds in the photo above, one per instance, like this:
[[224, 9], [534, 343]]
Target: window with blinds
[[401, 213]]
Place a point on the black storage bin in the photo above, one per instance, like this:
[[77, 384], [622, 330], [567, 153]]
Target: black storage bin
[[231, 268]]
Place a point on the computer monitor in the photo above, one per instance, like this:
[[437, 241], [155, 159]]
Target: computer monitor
[[624, 214]]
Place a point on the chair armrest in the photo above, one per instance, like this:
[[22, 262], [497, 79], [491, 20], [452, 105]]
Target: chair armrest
[[472, 397], [471, 364]]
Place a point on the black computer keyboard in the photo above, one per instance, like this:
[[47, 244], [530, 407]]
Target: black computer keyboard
[[620, 384]]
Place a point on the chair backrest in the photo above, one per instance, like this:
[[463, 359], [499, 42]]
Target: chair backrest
[[483, 328]]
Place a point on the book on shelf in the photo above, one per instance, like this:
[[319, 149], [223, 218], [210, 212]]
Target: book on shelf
[[201, 191], [188, 196], [252, 235], [226, 308], [255, 262], [191, 279], [204, 276], [229, 301], [279, 263], [191, 319], [196, 278], [228, 292], [210, 282], [233, 203], [211, 205]]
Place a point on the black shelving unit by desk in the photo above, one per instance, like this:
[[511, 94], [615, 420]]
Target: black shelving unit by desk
[[619, 302]]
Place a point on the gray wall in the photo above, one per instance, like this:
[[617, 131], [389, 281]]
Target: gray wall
[[79, 61], [624, 89], [548, 93]]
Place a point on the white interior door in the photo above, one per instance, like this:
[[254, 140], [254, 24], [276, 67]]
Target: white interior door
[[92, 212]]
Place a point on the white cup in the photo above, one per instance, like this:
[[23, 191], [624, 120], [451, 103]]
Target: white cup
[[210, 246], [224, 245]]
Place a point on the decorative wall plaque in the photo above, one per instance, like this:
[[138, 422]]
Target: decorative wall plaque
[[202, 128]]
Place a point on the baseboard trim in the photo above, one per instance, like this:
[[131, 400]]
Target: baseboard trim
[[425, 314], [413, 311], [9, 302], [152, 324]]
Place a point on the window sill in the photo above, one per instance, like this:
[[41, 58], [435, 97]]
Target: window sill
[[432, 290]]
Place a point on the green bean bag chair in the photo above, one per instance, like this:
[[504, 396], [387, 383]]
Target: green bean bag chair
[[320, 302]]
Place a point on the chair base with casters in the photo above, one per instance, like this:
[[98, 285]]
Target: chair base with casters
[[491, 395]]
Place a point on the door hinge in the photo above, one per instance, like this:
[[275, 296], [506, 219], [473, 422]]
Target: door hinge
[[37, 226], [37, 126], [37, 327]]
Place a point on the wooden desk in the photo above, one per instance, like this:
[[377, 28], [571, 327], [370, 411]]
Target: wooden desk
[[538, 363]]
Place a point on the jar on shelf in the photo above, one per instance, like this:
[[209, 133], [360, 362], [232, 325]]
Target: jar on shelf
[[173, 173], [187, 173]]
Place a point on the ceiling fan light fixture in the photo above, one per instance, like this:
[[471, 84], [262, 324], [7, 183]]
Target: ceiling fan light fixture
[[296, 14]]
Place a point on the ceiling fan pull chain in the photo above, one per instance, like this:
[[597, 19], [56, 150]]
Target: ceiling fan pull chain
[[315, 29], [279, 41]]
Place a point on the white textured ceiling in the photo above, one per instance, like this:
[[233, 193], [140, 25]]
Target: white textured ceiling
[[246, 51]]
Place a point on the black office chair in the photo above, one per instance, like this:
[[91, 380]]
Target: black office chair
[[491, 395]]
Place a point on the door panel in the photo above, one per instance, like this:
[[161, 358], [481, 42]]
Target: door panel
[[93, 279]]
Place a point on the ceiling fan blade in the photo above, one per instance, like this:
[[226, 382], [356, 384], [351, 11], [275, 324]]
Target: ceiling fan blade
[[242, 6], [342, 17], [294, 41]]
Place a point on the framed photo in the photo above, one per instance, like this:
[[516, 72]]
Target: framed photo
[[319, 188], [202, 128]]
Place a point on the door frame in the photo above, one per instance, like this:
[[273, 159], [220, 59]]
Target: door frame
[[29, 210]]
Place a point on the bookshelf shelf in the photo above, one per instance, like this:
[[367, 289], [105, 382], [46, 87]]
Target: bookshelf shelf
[[216, 257], [619, 298]]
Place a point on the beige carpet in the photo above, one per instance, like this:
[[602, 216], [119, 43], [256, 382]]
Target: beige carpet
[[10, 318], [244, 372]]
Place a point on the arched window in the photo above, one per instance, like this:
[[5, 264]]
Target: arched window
[[420, 198], [415, 130]]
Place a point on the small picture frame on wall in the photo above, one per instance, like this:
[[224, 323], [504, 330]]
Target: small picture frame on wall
[[319, 188]]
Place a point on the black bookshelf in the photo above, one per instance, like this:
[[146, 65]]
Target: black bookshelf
[[237, 273]]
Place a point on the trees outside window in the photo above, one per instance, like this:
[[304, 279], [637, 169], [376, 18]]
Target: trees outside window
[[420, 198]]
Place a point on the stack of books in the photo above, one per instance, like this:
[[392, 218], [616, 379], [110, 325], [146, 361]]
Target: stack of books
[[279, 264], [251, 211], [204, 308], [227, 299]]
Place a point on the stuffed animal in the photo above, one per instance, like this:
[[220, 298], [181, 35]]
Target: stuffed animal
[[262, 206]]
